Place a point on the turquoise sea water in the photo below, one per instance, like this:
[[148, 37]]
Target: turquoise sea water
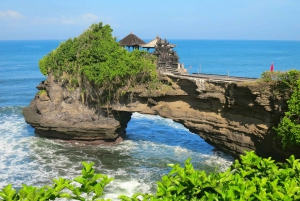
[[151, 143], [239, 58]]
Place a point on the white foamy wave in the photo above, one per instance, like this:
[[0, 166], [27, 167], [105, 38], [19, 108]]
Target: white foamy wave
[[13, 148], [136, 164], [124, 147], [219, 162], [179, 152], [11, 110], [22, 160], [128, 188], [11, 125], [159, 120]]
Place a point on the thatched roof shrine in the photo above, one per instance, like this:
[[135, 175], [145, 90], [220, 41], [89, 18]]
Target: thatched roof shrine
[[153, 43], [132, 40]]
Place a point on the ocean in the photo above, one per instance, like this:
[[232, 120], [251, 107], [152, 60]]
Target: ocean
[[151, 142], [237, 58]]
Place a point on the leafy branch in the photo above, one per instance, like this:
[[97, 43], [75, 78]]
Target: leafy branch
[[81, 188], [250, 178]]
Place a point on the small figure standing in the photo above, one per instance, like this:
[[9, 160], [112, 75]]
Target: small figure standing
[[272, 67]]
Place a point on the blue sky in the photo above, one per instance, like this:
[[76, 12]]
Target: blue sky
[[171, 19]]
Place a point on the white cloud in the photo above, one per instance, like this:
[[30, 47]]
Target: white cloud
[[87, 18], [44, 21], [11, 14], [70, 20]]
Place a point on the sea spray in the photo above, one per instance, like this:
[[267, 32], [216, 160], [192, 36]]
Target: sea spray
[[136, 164]]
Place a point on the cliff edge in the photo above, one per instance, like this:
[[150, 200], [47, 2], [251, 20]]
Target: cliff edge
[[232, 116]]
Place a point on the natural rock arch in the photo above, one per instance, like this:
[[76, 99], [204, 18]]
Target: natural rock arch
[[230, 116]]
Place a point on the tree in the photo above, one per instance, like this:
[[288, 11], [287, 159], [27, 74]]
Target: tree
[[96, 56]]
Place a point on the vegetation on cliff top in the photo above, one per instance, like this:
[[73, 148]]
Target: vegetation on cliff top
[[251, 178], [288, 130], [95, 55], [286, 80]]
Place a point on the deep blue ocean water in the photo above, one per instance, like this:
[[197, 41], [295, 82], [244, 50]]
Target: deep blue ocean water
[[152, 142], [239, 58]]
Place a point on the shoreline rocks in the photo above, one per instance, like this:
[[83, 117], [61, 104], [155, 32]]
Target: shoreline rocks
[[233, 117], [57, 113]]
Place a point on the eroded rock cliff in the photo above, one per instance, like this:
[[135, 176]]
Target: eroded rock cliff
[[231, 116], [57, 112]]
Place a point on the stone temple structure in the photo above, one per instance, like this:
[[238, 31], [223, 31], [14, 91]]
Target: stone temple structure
[[168, 60]]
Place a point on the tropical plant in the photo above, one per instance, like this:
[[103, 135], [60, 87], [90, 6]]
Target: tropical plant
[[88, 186], [250, 178], [97, 57]]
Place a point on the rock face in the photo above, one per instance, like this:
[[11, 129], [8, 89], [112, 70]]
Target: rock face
[[231, 116], [57, 113]]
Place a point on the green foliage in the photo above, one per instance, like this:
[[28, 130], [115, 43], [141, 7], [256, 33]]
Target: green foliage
[[42, 91], [82, 188], [74, 82], [289, 128], [97, 56], [285, 79], [251, 178]]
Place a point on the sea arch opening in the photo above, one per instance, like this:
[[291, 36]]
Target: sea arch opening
[[161, 138]]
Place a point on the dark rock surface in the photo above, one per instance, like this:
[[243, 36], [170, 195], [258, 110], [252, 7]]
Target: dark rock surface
[[57, 113], [231, 116]]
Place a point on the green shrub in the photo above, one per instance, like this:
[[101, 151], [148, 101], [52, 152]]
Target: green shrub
[[97, 56], [251, 178], [88, 185], [288, 129], [285, 79]]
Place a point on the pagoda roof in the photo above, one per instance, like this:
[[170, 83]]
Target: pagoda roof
[[131, 40], [153, 43]]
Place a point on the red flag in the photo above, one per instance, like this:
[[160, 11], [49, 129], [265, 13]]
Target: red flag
[[272, 67]]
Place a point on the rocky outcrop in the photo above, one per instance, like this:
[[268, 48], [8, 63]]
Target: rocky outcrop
[[231, 116], [56, 112]]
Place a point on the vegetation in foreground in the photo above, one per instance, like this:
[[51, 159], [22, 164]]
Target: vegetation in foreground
[[251, 178]]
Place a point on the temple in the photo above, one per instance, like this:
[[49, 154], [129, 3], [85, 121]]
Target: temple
[[152, 44], [168, 59], [131, 40]]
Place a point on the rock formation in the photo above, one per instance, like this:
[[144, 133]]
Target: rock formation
[[56, 112], [231, 116]]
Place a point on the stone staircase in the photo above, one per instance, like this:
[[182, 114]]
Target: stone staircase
[[172, 70]]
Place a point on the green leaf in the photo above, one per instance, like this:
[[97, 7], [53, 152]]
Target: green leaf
[[181, 188], [171, 188], [249, 192], [81, 180], [65, 195]]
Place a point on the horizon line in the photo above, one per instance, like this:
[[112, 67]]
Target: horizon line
[[295, 40]]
